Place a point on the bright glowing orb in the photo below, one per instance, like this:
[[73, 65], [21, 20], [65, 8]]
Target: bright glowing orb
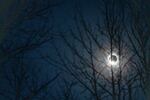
[[113, 59]]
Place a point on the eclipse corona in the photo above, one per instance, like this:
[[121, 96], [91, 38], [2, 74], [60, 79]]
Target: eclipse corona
[[113, 59]]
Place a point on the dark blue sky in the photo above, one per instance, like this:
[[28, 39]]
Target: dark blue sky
[[62, 17]]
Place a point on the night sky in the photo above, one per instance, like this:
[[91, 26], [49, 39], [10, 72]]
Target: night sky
[[62, 50]]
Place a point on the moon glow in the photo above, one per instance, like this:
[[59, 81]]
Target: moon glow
[[113, 60]]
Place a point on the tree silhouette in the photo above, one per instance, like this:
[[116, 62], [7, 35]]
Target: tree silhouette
[[21, 80], [87, 47], [139, 37]]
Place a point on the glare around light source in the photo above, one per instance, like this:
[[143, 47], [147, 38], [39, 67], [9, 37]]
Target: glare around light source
[[113, 59]]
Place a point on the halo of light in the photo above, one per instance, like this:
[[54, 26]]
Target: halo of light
[[113, 60]]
